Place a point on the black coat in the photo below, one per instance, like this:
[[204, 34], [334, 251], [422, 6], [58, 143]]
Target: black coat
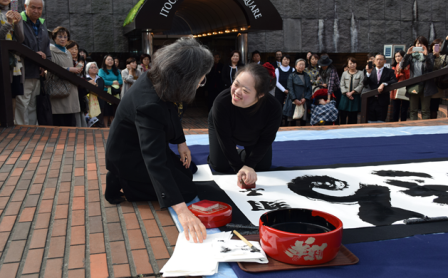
[[430, 87], [387, 76], [137, 147], [225, 75]]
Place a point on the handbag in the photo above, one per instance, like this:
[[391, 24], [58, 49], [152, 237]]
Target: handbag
[[414, 89], [298, 112], [43, 106], [401, 94], [56, 87]]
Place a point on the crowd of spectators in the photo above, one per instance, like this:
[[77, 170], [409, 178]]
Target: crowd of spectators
[[300, 85]]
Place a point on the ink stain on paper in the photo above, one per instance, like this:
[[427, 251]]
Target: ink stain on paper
[[416, 190], [396, 174]]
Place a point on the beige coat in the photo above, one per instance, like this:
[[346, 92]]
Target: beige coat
[[70, 104]]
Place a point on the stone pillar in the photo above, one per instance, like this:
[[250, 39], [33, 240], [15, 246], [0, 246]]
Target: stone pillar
[[147, 42], [242, 46]]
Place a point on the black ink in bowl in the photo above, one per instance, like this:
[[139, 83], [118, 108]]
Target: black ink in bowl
[[299, 221]]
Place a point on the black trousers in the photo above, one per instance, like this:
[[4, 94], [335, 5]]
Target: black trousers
[[400, 108], [219, 162], [144, 191], [64, 120], [376, 111], [352, 117]]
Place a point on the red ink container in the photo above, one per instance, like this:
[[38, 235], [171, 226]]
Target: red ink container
[[211, 213], [300, 236], [242, 185]]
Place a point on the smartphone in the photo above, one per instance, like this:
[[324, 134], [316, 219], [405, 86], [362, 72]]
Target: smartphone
[[370, 64], [14, 5], [417, 49], [437, 48]]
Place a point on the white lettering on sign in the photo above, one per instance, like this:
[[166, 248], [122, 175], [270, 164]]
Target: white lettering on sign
[[253, 7], [167, 7]]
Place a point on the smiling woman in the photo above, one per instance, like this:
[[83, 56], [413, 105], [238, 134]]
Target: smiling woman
[[245, 115]]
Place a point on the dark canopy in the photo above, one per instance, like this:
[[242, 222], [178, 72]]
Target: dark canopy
[[182, 17]]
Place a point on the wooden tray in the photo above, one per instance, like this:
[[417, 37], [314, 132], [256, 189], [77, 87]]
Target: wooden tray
[[344, 257]]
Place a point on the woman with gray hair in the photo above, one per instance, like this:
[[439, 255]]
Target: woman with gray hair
[[300, 92], [138, 157]]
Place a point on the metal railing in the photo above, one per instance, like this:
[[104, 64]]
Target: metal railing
[[395, 86], [6, 113]]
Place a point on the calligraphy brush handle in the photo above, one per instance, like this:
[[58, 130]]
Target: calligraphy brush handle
[[245, 241]]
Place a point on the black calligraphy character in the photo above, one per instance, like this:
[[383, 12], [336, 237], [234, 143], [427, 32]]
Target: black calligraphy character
[[266, 205], [253, 192]]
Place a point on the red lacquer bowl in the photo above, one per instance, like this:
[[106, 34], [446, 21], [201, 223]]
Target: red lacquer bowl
[[300, 236], [218, 217]]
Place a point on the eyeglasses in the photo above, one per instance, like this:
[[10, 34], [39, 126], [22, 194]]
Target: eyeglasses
[[202, 84], [62, 37]]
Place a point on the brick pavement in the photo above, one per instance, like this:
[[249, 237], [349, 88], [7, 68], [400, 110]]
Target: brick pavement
[[54, 221]]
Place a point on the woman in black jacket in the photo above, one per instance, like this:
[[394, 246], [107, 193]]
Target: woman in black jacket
[[229, 70], [138, 157], [246, 115], [420, 62]]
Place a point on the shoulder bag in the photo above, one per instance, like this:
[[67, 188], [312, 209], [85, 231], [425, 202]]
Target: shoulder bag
[[56, 87]]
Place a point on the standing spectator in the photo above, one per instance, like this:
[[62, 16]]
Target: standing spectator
[[64, 109], [11, 27], [145, 63], [278, 59], [85, 55], [93, 78], [117, 62], [351, 88], [378, 78], [400, 106], [111, 76], [35, 38], [420, 63], [130, 74], [308, 57], [79, 62], [313, 71], [300, 92], [440, 61], [256, 57], [228, 71], [214, 81], [330, 78], [282, 73]]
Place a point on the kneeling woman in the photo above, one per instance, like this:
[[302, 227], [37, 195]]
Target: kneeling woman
[[138, 156], [245, 115]]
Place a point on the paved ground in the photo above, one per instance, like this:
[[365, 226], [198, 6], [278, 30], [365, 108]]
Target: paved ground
[[54, 221]]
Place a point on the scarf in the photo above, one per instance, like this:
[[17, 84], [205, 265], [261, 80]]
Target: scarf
[[418, 56]]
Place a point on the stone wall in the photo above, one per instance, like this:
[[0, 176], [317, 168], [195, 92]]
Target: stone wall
[[95, 24], [308, 25], [329, 25]]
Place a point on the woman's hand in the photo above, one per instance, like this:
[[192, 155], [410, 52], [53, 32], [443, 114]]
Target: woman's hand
[[410, 50], [185, 154], [297, 102], [191, 224], [115, 83], [247, 174], [75, 70], [303, 100], [324, 85], [10, 17], [93, 82], [349, 95], [286, 91], [425, 51]]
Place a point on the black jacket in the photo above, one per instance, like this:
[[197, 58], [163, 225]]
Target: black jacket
[[430, 87], [41, 43], [387, 76], [137, 147], [225, 75]]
